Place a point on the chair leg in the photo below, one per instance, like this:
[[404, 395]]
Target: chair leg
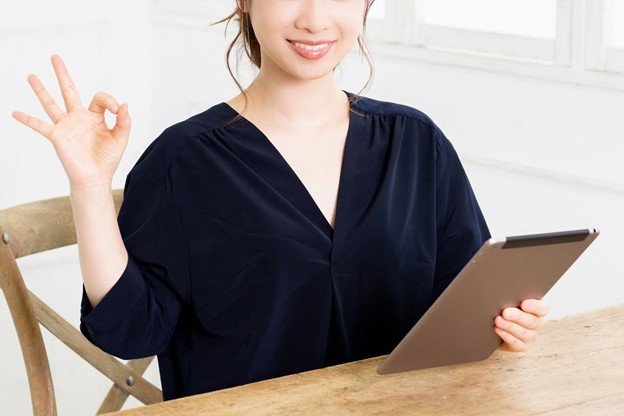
[[116, 396], [29, 334], [112, 368]]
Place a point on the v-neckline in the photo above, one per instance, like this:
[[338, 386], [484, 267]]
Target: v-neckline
[[319, 218]]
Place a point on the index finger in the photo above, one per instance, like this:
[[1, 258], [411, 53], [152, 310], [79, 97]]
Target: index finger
[[68, 88]]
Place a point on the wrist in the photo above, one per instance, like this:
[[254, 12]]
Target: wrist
[[90, 193]]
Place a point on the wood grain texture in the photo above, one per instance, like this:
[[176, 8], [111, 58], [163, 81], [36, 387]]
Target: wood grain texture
[[42, 225], [575, 368], [28, 332], [117, 396], [33, 228], [112, 368]]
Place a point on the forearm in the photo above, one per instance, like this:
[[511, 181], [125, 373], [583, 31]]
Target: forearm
[[103, 256]]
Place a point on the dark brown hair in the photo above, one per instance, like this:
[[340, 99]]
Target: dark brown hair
[[246, 40]]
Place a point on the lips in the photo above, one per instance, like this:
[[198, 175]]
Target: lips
[[311, 49]]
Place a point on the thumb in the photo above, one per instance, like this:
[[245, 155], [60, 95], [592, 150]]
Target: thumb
[[123, 122]]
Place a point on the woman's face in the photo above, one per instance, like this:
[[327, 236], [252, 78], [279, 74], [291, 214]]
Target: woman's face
[[305, 39]]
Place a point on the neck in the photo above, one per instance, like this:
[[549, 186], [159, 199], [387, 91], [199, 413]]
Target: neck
[[293, 103]]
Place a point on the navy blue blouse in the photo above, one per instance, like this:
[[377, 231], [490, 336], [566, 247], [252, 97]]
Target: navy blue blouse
[[234, 273]]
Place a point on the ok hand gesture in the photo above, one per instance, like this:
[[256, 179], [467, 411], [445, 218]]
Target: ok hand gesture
[[89, 150]]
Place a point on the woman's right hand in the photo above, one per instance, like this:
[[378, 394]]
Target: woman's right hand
[[89, 150]]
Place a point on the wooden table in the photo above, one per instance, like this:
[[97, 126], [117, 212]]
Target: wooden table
[[575, 368]]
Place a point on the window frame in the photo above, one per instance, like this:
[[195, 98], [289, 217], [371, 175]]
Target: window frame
[[578, 54], [599, 55], [412, 32]]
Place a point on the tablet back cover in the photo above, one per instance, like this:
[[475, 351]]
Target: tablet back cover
[[459, 326]]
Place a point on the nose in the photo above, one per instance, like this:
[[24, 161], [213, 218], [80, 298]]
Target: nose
[[313, 16]]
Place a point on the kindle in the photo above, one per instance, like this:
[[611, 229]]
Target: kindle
[[459, 326]]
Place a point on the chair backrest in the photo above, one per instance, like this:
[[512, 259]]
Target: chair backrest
[[34, 228]]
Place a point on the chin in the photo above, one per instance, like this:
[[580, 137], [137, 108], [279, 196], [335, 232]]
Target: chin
[[297, 70], [312, 77], [313, 74]]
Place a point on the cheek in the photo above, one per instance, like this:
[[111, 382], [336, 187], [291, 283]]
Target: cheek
[[351, 26], [351, 29], [270, 25]]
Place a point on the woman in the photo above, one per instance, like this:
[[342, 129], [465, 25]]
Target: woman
[[291, 228]]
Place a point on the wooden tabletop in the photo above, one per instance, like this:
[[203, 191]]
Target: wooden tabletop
[[575, 368]]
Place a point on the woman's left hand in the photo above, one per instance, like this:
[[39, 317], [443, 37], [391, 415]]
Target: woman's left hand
[[518, 327]]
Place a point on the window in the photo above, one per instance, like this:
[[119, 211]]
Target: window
[[605, 35], [579, 41], [530, 29], [617, 24], [532, 18]]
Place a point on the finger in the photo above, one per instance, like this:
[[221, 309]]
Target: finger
[[102, 102], [522, 318], [521, 332], [511, 342], [123, 122], [47, 102], [68, 88], [34, 123], [537, 307]]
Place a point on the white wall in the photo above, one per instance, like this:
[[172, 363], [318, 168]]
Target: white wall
[[541, 155], [107, 46]]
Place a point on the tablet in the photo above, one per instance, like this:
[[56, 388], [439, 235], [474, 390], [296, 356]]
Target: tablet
[[459, 326]]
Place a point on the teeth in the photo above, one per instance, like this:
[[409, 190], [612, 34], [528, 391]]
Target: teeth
[[311, 47]]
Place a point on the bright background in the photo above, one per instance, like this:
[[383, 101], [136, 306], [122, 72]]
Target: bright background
[[542, 142]]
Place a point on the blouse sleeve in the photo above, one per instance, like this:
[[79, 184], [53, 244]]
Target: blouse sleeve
[[138, 315], [460, 226]]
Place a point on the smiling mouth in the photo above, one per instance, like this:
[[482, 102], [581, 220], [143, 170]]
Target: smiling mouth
[[311, 47], [311, 50]]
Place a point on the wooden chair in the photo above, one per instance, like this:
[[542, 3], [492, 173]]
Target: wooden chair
[[37, 227]]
